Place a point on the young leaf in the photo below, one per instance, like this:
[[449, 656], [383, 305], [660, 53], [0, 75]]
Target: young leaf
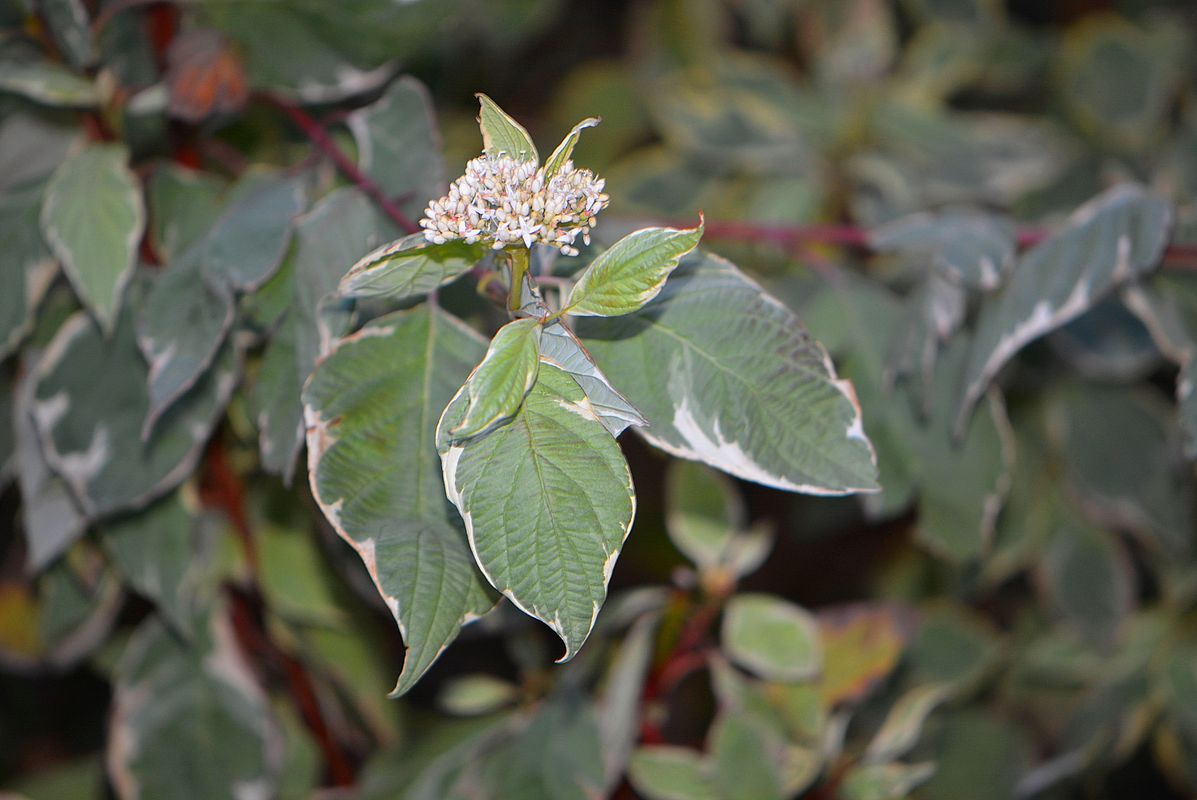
[[775, 639], [559, 347], [631, 273], [93, 218], [742, 752], [1114, 238], [725, 374], [566, 149], [371, 408], [547, 502], [502, 135], [410, 267], [498, 385]]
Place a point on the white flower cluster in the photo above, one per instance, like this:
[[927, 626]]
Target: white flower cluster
[[503, 201]]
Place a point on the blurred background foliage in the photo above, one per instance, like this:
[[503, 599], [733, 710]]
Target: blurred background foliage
[[1011, 617]]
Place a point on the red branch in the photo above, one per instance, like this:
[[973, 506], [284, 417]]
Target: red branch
[[1177, 255], [686, 656], [319, 137]]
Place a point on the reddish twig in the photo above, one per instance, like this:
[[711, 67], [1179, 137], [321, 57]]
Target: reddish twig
[[686, 656], [319, 137], [222, 489], [1176, 255]]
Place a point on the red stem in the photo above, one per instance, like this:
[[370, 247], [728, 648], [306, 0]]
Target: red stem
[[1178, 255], [319, 137]]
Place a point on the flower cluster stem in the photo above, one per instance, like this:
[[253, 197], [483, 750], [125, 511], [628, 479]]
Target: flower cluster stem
[[519, 268]]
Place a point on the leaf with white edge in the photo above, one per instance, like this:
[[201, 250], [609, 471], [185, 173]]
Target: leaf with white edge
[[250, 238], [619, 707], [934, 311], [154, 550], [29, 267], [663, 772], [90, 405], [183, 204], [1114, 238], [547, 502], [410, 267], [565, 150], [703, 512], [371, 408], [399, 144], [332, 234], [180, 327], [50, 519], [561, 348], [499, 384], [884, 781], [904, 723], [631, 272], [771, 637], [726, 374], [48, 83], [971, 248], [502, 135], [92, 216], [189, 718]]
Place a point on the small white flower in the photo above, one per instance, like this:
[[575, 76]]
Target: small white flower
[[502, 201]]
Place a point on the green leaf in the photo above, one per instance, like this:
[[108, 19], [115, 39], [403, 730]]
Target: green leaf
[[565, 150], [671, 773], [619, 706], [48, 83], [1089, 580], [884, 781], [333, 233], [189, 719], [154, 549], [725, 374], [952, 647], [92, 216], [32, 146], [904, 723], [502, 135], [247, 243], [971, 248], [561, 348], [399, 145], [978, 755], [410, 267], [773, 638], [631, 272], [183, 204], [703, 512], [181, 326], [740, 751], [552, 755], [71, 29], [498, 385], [1111, 240], [91, 403], [547, 502], [28, 267], [371, 409]]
